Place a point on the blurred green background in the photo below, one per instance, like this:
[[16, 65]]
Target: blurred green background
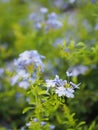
[[73, 46]]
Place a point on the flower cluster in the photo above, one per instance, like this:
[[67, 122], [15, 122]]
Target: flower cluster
[[49, 21], [29, 57], [28, 60], [62, 87], [77, 70]]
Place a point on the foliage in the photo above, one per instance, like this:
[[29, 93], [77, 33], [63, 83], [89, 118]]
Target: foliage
[[66, 33]]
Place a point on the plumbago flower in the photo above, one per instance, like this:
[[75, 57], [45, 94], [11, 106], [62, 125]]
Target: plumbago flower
[[29, 57], [26, 67], [62, 87], [45, 20]]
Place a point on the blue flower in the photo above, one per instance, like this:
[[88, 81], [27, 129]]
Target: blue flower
[[62, 91], [43, 10], [77, 70], [1, 72], [24, 84], [55, 83], [28, 58], [62, 87], [74, 85], [68, 74]]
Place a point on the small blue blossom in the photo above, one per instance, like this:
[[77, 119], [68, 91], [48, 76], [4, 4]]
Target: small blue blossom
[[58, 41], [77, 70], [52, 16], [93, 1], [46, 22], [68, 92], [35, 120], [60, 91], [1, 72], [22, 128], [72, 1], [74, 85], [24, 84], [38, 25], [53, 22], [68, 74], [43, 123], [43, 10], [58, 3], [62, 87], [55, 83], [50, 83], [27, 59], [28, 124], [28, 100], [59, 82], [96, 27], [14, 80], [52, 127], [20, 74], [32, 16]]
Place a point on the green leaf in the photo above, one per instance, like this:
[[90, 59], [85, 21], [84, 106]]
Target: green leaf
[[81, 123], [92, 125], [2, 128], [72, 45], [43, 92], [27, 109], [81, 44]]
